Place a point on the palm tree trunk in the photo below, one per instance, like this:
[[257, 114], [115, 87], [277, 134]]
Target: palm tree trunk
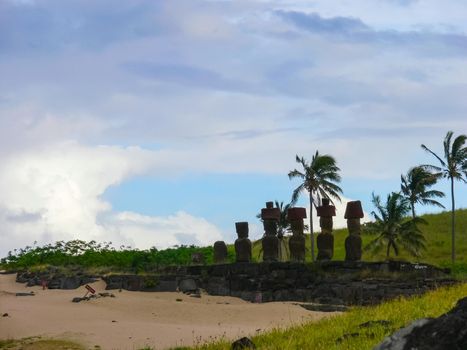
[[412, 204], [387, 250], [312, 238], [453, 221]]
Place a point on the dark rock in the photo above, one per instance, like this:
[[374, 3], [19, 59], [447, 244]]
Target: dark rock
[[166, 286], [70, 282], [133, 282], [5, 315], [25, 294], [448, 331], [187, 285], [55, 283], [77, 299], [31, 282], [324, 307], [243, 343]]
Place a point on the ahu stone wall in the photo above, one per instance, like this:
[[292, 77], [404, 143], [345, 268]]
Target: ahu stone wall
[[329, 282]]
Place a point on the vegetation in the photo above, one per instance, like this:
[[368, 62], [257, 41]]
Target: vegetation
[[94, 255], [124, 259], [348, 330], [414, 187], [319, 179], [393, 228], [453, 167]]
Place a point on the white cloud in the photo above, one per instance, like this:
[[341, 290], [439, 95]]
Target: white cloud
[[165, 231], [54, 193], [338, 220]]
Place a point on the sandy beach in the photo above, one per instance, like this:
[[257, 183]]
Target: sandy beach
[[133, 320]]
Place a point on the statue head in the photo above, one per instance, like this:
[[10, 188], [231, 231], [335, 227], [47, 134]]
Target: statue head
[[354, 226], [297, 227], [325, 222], [242, 229]]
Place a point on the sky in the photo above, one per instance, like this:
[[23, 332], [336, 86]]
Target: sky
[[159, 123]]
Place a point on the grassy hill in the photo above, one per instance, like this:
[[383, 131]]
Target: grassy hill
[[437, 233], [105, 258]]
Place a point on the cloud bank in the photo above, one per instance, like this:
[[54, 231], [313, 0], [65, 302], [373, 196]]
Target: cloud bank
[[56, 194]]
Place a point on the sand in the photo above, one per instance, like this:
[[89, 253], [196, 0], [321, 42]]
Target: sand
[[133, 320]]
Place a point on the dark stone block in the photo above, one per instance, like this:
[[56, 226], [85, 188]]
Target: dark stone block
[[166, 286], [70, 282], [55, 283], [219, 270], [133, 283], [194, 270], [187, 285], [113, 282], [243, 344]]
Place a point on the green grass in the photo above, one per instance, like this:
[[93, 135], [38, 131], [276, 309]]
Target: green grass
[[438, 242], [344, 332]]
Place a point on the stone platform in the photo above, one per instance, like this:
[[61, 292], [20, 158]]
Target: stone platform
[[332, 282]]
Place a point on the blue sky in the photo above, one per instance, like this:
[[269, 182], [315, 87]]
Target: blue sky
[[155, 123]]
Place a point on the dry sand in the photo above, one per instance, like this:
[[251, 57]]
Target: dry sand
[[133, 320]]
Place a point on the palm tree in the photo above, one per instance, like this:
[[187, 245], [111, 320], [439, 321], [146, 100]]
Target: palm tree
[[283, 225], [414, 187], [318, 179], [393, 227], [453, 167]]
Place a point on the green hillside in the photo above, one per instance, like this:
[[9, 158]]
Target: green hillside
[[437, 233]]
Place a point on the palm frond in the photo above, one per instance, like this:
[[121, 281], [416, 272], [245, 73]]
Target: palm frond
[[296, 193], [434, 154]]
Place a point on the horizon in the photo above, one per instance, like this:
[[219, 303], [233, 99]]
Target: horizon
[[164, 123]]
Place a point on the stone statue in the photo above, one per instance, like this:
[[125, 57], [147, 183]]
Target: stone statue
[[220, 252], [270, 242], [353, 243], [295, 217], [325, 240], [242, 243]]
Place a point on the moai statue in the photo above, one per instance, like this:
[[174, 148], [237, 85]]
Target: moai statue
[[295, 217], [242, 243], [353, 243], [220, 252], [270, 242], [325, 240]]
